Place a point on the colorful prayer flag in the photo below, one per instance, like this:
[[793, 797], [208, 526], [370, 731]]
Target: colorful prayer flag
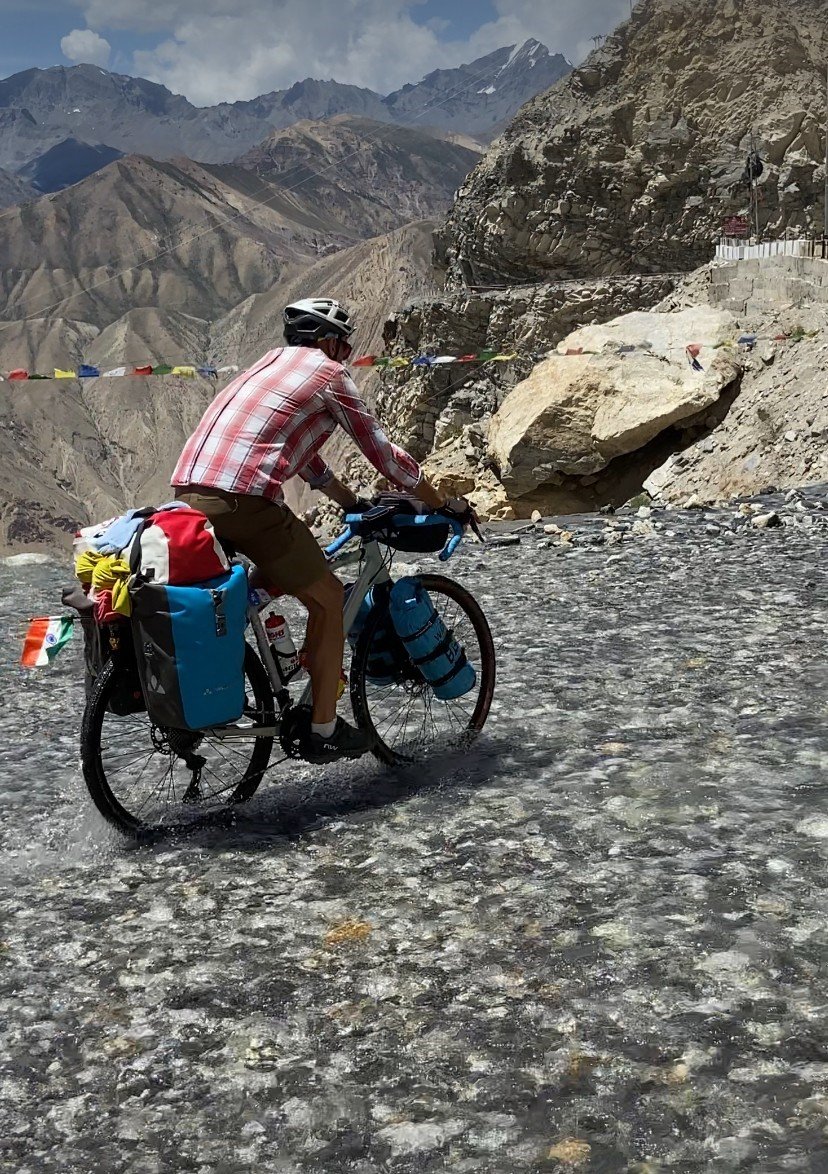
[[115, 373], [87, 372], [65, 374], [18, 374], [46, 636], [184, 372], [145, 370], [693, 352], [364, 361]]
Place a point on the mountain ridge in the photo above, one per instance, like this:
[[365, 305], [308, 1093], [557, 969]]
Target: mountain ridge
[[41, 107]]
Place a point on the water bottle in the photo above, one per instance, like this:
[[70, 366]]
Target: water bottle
[[282, 647]]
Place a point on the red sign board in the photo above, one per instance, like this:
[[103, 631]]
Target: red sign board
[[736, 226]]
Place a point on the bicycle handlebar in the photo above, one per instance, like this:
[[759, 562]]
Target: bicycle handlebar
[[337, 544], [445, 554], [453, 542]]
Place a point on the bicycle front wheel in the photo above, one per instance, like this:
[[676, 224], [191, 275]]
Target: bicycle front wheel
[[405, 719], [145, 779]]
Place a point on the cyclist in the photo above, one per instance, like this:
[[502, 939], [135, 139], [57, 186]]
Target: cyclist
[[266, 427]]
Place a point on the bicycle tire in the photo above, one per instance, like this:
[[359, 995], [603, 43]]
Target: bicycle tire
[[460, 729], [110, 805]]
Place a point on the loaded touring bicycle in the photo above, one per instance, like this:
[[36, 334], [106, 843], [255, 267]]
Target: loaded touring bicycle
[[421, 674]]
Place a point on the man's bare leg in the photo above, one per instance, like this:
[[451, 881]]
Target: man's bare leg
[[330, 737], [324, 643]]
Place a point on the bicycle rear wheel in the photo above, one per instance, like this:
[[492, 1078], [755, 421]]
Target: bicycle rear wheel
[[405, 719], [144, 778]]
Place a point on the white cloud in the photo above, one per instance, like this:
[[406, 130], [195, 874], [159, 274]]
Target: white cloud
[[269, 44], [87, 46], [212, 51]]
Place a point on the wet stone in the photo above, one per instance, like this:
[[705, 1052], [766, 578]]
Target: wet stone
[[594, 941]]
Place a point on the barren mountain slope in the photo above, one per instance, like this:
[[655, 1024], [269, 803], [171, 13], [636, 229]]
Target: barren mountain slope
[[631, 163], [373, 278], [13, 190], [68, 162], [371, 176], [71, 451], [171, 235]]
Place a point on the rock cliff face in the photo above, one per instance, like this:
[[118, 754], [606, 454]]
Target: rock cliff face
[[571, 432], [444, 414], [633, 161], [74, 451]]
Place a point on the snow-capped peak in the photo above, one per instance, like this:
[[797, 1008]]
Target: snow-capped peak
[[529, 52]]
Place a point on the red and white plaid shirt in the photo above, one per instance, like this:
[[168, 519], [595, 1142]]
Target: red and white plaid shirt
[[270, 422]]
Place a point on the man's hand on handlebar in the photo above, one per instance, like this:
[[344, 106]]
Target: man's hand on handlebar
[[463, 510]]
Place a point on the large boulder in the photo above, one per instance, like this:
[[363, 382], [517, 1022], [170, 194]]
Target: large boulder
[[578, 411]]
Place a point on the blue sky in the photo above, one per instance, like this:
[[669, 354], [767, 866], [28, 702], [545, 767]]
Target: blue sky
[[214, 50]]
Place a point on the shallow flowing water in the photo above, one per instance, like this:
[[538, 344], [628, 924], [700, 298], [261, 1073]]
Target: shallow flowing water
[[596, 942]]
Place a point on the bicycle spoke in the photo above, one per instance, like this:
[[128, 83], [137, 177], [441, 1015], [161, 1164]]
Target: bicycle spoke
[[137, 772]]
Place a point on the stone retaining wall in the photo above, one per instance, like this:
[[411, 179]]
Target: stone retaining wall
[[774, 282]]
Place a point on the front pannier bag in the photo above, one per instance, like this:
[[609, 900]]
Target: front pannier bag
[[189, 644], [431, 646]]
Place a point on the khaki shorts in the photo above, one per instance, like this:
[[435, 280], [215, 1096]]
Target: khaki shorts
[[280, 545]]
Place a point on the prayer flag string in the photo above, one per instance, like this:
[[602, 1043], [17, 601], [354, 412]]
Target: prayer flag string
[[427, 360]]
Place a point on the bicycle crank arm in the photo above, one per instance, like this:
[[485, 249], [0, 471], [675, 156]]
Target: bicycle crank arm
[[228, 734]]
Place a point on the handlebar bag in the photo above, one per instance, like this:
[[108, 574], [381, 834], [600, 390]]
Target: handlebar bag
[[189, 647], [403, 528], [430, 645]]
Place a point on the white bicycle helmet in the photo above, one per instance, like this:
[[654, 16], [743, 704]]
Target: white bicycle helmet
[[313, 319]]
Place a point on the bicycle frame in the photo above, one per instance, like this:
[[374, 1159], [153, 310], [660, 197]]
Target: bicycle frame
[[373, 570]]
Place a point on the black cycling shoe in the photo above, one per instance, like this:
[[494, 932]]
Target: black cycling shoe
[[345, 742]]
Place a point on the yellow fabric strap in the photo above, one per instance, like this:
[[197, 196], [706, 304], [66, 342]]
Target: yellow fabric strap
[[85, 565], [109, 571], [120, 597]]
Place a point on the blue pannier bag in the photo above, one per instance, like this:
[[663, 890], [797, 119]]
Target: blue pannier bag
[[430, 645], [189, 644], [387, 657]]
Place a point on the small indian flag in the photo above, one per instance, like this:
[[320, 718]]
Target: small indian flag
[[45, 638]]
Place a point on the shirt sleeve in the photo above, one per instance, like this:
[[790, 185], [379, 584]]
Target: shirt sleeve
[[350, 411], [316, 473]]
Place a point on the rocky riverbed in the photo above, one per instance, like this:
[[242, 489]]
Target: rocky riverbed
[[597, 942]]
